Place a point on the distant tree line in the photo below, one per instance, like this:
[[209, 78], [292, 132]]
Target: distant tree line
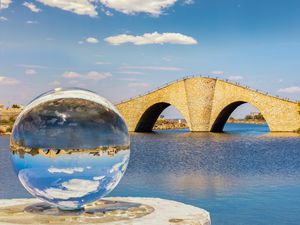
[[258, 116]]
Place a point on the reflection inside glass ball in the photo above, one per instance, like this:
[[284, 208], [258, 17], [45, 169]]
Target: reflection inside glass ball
[[70, 147]]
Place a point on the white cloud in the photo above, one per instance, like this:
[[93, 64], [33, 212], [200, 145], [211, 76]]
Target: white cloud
[[55, 83], [2, 18], [188, 2], [280, 80], [117, 171], [50, 39], [121, 166], [290, 90], [75, 82], [92, 40], [66, 170], [152, 38], [32, 66], [71, 75], [217, 72], [80, 7], [108, 13], [30, 72], [92, 75], [235, 78], [159, 68], [136, 84], [32, 7], [74, 188], [153, 7], [128, 79], [116, 179], [102, 63], [167, 58], [5, 4], [31, 22], [89, 7], [99, 178], [8, 81], [97, 76], [131, 72]]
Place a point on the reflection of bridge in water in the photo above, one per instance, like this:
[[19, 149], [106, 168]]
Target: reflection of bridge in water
[[206, 104]]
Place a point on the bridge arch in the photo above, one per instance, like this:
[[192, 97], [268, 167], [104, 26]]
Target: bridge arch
[[150, 116], [224, 114]]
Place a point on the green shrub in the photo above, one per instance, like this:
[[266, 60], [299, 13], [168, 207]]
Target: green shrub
[[259, 116], [15, 106], [248, 117]]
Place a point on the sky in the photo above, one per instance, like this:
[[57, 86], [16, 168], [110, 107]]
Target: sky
[[121, 49]]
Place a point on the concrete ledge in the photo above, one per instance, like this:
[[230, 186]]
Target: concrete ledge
[[139, 211]]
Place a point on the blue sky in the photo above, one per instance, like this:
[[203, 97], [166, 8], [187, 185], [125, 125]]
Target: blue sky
[[124, 48]]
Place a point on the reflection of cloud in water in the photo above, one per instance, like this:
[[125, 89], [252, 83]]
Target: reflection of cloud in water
[[213, 185], [66, 170], [74, 188]]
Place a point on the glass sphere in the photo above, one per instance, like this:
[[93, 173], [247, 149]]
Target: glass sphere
[[70, 147]]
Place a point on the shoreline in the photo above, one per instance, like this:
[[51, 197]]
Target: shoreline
[[248, 122], [174, 124]]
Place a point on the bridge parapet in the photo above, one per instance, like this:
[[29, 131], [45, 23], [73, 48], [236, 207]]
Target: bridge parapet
[[208, 77]]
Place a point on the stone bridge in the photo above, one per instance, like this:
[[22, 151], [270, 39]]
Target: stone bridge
[[206, 104]]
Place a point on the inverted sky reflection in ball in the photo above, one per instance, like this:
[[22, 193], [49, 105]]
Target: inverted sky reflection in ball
[[70, 147]]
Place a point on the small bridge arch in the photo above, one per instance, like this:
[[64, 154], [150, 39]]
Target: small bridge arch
[[150, 116], [224, 114]]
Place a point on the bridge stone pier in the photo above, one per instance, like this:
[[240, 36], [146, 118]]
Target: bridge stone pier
[[206, 104]]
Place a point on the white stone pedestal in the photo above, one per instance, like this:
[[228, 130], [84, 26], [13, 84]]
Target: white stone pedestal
[[113, 211]]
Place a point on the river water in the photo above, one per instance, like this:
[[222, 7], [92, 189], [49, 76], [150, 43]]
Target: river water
[[245, 176]]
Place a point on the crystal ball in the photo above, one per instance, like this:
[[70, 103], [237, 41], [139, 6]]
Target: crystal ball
[[70, 147]]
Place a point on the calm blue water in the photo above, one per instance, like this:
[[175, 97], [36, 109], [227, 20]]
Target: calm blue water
[[243, 177]]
